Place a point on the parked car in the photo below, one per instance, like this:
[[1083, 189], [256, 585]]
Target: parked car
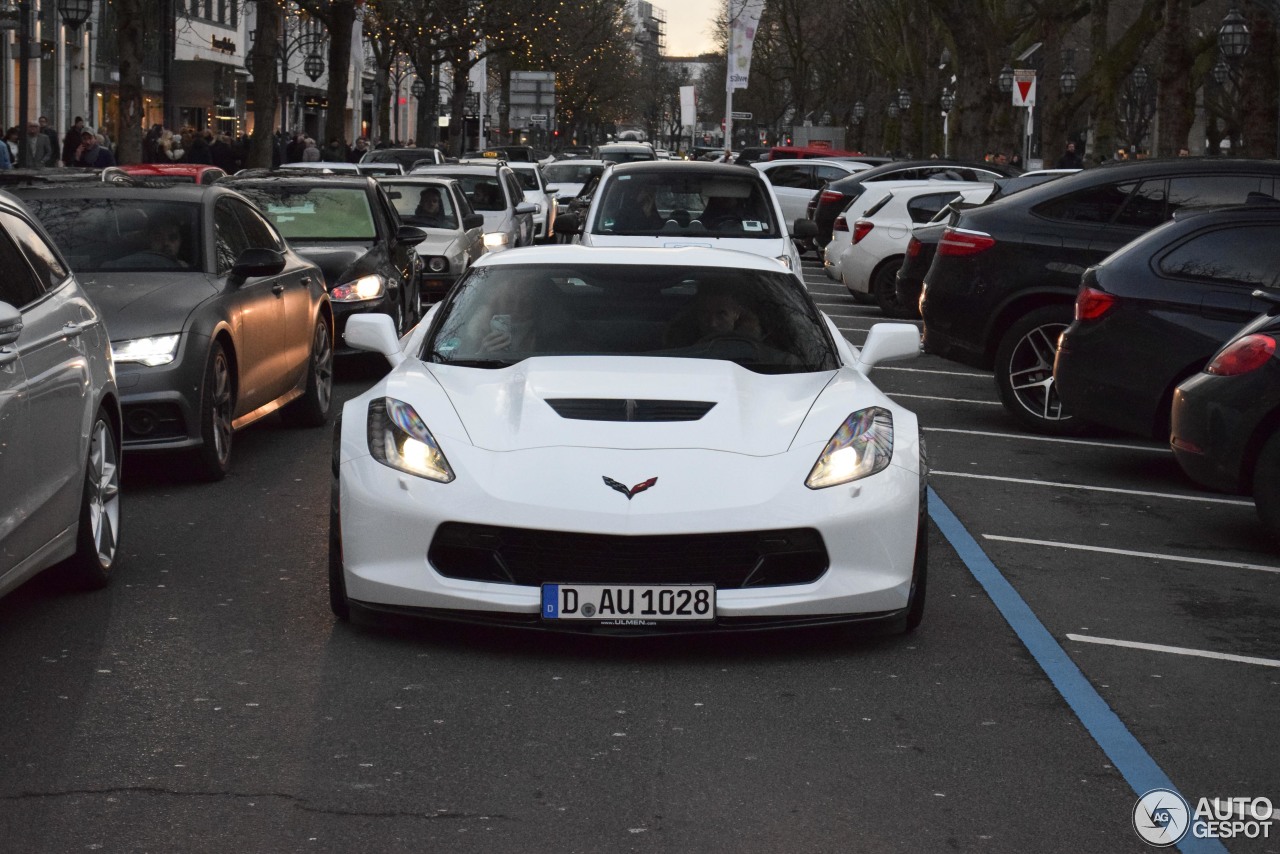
[[1152, 313], [569, 178], [1004, 281], [175, 173], [214, 321], [407, 158], [831, 202], [494, 192], [687, 469], [455, 233], [347, 226], [1226, 419], [624, 152], [796, 181], [59, 415], [878, 238], [539, 192], [339, 167], [673, 203]]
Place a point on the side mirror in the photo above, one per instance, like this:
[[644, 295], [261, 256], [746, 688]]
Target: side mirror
[[526, 208], [10, 324], [255, 262], [569, 223], [375, 333], [550, 189], [886, 342], [804, 229], [474, 220], [410, 234]]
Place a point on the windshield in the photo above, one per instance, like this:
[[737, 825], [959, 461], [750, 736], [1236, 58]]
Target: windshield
[[425, 205], [315, 213], [482, 191], [125, 235], [569, 173], [679, 203], [763, 321], [633, 155], [528, 179]]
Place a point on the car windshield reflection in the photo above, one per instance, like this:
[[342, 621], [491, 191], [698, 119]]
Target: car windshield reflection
[[315, 213], [667, 204], [126, 235], [760, 320]]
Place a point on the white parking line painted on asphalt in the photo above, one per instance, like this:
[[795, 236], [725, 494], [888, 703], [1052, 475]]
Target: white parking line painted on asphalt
[[1176, 650], [944, 399], [933, 371], [1204, 561], [1174, 495], [1121, 446]]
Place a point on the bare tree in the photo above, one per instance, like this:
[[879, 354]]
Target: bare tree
[[266, 90]]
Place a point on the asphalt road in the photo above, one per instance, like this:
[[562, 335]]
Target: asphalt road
[[207, 700]]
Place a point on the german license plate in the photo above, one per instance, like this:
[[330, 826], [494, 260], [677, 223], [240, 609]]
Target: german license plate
[[646, 602]]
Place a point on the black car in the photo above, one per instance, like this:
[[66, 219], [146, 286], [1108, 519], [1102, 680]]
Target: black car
[[349, 228], [214, 321], [1226, 420], [838, 195], [1152, 313], [1003, 283], [406, 157]]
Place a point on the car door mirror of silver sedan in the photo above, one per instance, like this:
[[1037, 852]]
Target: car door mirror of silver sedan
[[375, 333], [474, 220], [526, 208], [886, 342], [10, 324], [257, 261]]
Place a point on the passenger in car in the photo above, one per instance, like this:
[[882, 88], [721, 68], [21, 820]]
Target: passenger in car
[[714, 313]]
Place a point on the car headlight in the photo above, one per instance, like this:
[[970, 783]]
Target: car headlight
[[861, 447], [785, 260], [399, 438], [363, 288], [159, 350], [496, 240], [437, 264]]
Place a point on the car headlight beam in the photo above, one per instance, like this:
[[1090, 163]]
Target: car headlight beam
[[399, 438], [364, 288], [861, 447], [496, 240], [154, 351]]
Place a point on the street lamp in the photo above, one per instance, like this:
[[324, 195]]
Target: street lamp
[[418, 89], [1140, 77], [904, 99], [74, 13], [948, 101], [893, 109], [313, 66], [859, 111], [1221, 72], [1068, 82], [1006, 79], [1233, 35]]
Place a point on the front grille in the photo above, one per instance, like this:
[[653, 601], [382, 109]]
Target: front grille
[[529, 557], [623, 409]]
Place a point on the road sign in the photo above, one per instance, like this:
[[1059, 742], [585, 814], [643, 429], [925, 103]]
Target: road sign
[[741, 117], [1024, 87]]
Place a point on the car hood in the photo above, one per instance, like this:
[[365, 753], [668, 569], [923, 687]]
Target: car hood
[[439, 242], [341, 262], [508, 409], [138, 305]]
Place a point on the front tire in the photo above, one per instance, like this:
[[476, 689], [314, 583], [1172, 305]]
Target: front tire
[[98, 537], [312, 409], [1024, 372], [1266, 485], [217, 405]]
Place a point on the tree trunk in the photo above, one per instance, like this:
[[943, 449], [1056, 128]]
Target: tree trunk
[[1103, 117], [340, 21], [1258, 98], [130, 20], [266, 86], [1176, 104]]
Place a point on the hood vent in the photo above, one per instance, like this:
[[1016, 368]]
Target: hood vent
[[624, 409]]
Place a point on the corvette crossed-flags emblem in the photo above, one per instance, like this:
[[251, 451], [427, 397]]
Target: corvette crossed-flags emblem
[[633, 491]]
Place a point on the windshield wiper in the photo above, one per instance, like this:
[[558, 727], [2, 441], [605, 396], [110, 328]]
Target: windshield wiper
[[442, 358]]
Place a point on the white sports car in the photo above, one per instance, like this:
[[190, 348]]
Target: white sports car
[[629, 441]]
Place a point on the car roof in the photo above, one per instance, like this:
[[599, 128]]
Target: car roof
[[268, 177], [700, 167], [489, 168], [691, 256], [107, 190]]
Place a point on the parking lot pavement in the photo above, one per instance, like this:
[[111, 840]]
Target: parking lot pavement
[[1164, 596]]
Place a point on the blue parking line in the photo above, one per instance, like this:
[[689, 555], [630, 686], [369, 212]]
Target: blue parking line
[[1129, 757]]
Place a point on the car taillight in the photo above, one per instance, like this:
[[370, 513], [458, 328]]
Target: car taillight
[[841, 224], [830, 197], [914, 248], [1248, 354], [861, 229], [1092, 303], [961, 242]]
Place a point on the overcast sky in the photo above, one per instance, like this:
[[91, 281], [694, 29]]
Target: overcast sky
[[689, 24]]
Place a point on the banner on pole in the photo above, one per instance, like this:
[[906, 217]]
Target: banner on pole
[[744, 18], [688, 106]]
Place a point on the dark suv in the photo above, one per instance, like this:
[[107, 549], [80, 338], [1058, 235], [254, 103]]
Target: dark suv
[[1003, 283]]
